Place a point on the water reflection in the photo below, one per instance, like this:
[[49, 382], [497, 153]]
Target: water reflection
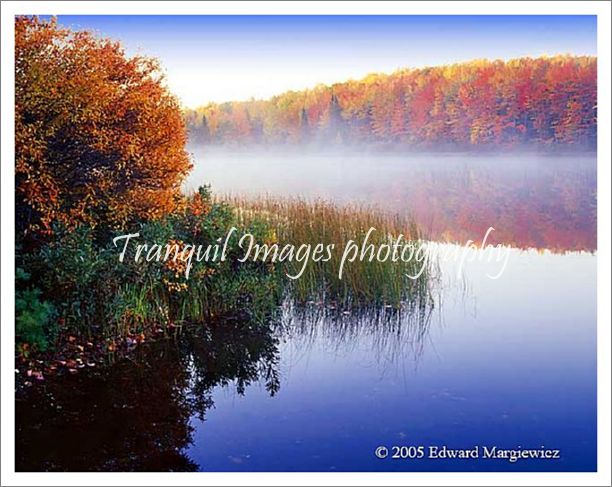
[[532, 200], [391, 334], [507, 363], [136, 415], [502, 365]]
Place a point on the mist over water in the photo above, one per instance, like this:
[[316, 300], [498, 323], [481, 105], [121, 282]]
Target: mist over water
[[532, 200]]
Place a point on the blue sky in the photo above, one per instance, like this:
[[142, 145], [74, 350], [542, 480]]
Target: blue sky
[[221, 58]]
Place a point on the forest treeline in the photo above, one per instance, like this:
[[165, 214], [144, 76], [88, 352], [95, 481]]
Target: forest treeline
[[545, 101]]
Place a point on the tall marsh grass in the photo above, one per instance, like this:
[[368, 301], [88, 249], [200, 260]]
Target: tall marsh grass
[[78, 275], [364, 282]]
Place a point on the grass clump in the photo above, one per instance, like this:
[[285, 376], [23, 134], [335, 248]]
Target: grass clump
[[365, 282]]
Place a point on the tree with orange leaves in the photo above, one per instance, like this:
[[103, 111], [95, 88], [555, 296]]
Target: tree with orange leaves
[[99, 140]]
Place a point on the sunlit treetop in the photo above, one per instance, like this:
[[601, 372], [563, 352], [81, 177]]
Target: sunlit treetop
[[98, 137]]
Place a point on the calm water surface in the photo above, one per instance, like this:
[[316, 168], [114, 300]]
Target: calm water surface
[[507, 363], [504, 363], [532, 200]]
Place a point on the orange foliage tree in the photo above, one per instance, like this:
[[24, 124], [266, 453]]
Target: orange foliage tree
[[99, 139]]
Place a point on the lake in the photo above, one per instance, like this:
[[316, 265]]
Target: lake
[[507, 363]]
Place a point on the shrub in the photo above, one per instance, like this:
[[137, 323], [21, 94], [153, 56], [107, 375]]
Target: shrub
[[96, 295], [34, 318], [99, 140]]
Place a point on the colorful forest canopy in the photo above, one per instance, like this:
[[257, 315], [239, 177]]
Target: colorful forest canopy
[[544, 101]]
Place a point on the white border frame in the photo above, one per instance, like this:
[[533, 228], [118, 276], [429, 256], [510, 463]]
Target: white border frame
[[599, 8]]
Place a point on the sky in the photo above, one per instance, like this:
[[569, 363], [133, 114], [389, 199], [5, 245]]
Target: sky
[[222, 58]]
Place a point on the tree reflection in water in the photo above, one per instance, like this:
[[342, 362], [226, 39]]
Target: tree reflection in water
[[135, 416]]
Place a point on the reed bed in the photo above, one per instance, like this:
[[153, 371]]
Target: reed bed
[[297, 221]]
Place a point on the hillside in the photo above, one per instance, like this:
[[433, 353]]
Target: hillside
[[546, 101]]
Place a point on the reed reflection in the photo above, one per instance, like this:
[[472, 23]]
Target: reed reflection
[[390, 334]]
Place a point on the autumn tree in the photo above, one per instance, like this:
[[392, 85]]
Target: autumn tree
[[304, 125], [335, 123], [98, 138]]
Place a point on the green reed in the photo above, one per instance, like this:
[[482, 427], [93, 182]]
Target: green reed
[[364, 282]]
